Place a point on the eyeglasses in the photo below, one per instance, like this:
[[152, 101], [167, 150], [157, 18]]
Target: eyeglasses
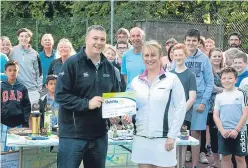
[[122, 37], [122, 48]]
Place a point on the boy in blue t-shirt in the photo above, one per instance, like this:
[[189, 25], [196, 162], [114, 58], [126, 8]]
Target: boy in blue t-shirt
[[188, 81], [230, 115], [48, 101], [240, 63]]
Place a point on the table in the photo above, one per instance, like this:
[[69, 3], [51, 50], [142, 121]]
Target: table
[[184, 143], [21, 141], [180, 145]]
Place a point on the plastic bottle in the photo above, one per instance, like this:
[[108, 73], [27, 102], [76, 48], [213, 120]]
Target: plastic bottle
[[48, 120]]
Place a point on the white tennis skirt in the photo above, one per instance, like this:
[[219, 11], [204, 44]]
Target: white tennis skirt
[[152, 151]]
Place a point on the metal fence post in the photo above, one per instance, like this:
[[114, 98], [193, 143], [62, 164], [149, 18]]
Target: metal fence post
[[112, 22], [37, 35], [221, 34], [87, 24]]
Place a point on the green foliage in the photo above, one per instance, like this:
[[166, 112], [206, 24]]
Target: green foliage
[[70, 19], [71, 28]]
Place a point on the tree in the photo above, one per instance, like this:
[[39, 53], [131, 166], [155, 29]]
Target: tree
[[70, 18]]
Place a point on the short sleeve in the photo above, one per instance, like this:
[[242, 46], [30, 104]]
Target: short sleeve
[[244, 85], [217, 103], [123, 65], [192, 86], [244, 99]]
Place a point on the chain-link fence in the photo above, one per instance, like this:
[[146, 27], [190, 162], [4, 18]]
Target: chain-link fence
[[163, 30], [72, 28], [218, 29], [174, 26], [240, 25]]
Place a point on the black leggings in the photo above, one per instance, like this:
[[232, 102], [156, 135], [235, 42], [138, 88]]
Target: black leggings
[[203, 142], [203, 139], [213, 130]]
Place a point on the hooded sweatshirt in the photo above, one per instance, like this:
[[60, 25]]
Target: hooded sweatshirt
[[15, 104], [30, 73], [241, 77], [199, 64]]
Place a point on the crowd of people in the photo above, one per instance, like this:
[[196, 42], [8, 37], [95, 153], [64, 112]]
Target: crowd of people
[[195, 87]]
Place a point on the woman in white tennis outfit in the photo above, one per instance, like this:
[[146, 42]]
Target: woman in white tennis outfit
[[161, 110]]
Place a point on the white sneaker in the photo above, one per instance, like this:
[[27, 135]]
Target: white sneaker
[[188, 156], [203, 158]]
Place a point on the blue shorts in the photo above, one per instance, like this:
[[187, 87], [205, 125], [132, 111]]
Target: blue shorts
[[199, 119]]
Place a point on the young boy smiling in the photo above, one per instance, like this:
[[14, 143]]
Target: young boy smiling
[[240, 63], [230, 115], [188, 81]]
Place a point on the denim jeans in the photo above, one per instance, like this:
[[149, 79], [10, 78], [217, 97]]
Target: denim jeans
[[71, 152]]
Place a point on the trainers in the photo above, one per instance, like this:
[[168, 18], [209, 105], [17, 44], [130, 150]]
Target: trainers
[[209, 150], [203, 158], [188, 156]]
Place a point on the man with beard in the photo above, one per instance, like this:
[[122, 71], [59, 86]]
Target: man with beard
[[132, 61], [234, 40]]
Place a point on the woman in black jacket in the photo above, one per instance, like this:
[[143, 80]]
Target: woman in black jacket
[[64, 51]]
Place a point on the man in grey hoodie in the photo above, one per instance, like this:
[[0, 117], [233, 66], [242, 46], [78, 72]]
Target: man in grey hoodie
[[199, 64], [30, 73]]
